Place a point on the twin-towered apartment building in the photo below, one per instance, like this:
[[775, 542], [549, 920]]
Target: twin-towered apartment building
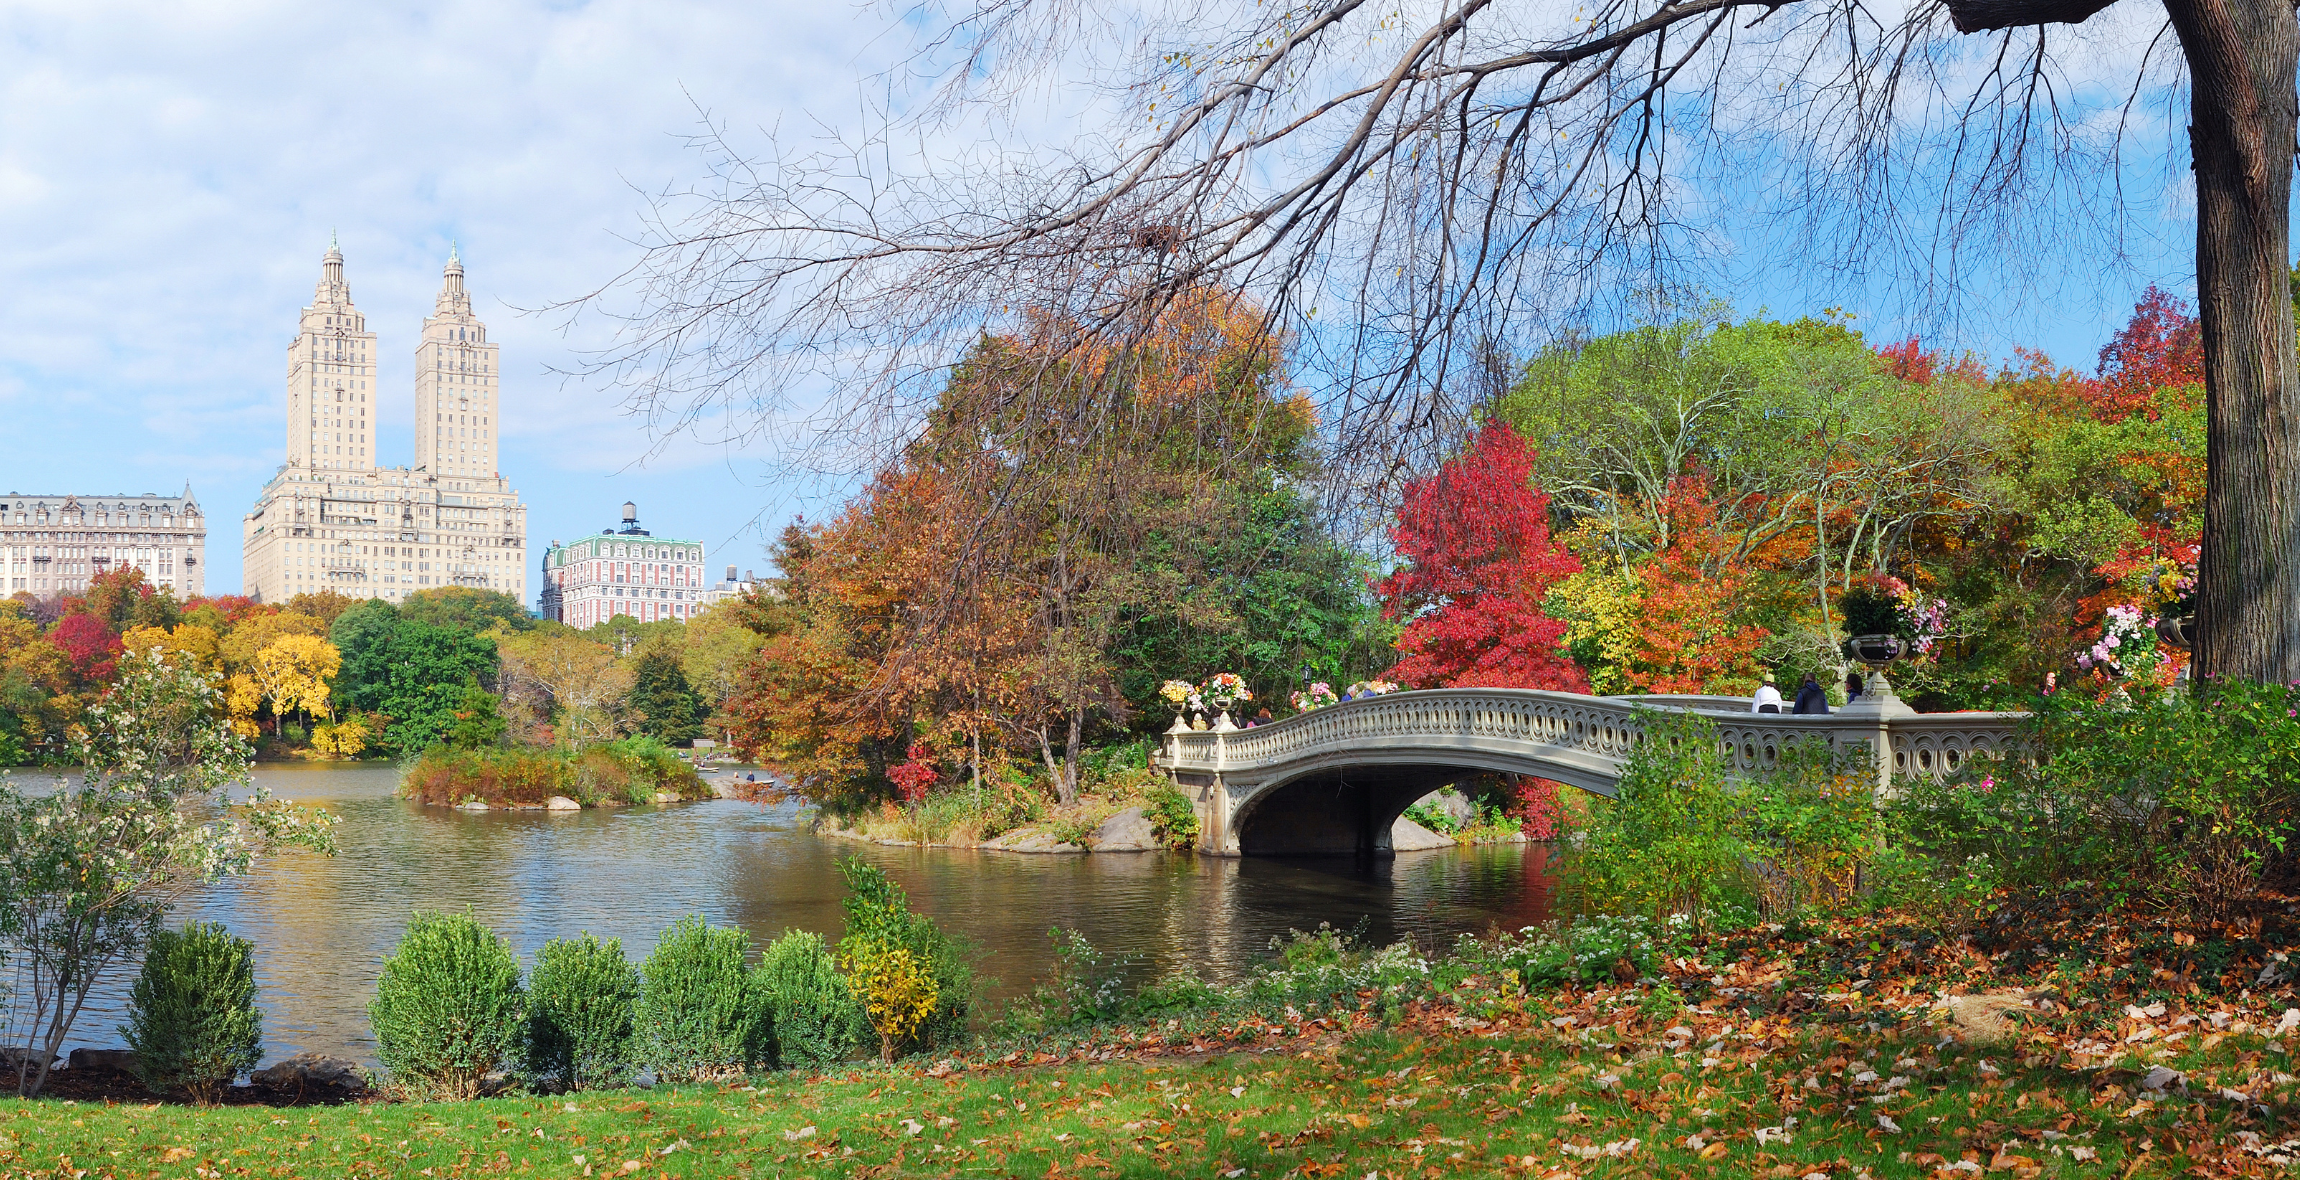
[[331, 518]]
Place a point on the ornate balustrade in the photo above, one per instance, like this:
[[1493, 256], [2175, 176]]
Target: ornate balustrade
[[1584, 741]]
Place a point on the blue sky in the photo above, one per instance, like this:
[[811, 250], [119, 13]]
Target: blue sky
[[170, 175]]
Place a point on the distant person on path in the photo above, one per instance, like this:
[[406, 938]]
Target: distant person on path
[[1768, 698], [1853, 686], [1811, 697]]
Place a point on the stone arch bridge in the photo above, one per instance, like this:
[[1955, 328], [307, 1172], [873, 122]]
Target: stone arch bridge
[[1332, 781]]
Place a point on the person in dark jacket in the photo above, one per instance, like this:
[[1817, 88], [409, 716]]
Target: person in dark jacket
[[1811, 697], [1853, 686]]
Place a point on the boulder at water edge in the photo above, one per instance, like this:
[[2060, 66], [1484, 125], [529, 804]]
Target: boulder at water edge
[[122, 1060], [1408, 836], [561, 803], [1127, 831], [471, 805], [1030, 842], [306, 1071]]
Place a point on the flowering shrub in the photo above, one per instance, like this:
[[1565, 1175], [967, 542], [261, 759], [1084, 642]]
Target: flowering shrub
[[1224, 689], [2184, 800], [2127, 647], [1317, 696], [1588, 949]]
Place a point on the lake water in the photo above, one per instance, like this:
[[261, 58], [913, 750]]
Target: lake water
[[322, 925]]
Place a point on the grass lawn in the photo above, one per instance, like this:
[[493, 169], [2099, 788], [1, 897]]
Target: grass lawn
[[1481, 1082]]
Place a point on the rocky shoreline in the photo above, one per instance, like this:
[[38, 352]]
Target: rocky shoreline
[[1129, 831]]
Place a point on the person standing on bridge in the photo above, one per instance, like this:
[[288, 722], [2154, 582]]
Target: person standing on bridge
[[1811, 697], [1768, 698]]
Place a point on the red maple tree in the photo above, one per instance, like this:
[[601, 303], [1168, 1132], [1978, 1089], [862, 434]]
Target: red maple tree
[[1479, 558], [88, 645], [2161, 346]]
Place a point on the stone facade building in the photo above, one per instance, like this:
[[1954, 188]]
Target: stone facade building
[[52, 545], [330, 518], [625, 571]]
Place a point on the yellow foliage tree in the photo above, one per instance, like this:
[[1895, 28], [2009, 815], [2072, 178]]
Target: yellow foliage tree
[[292, 673], [257, 632], [895, 989], [242, 697], [342, 739], [191, 639]]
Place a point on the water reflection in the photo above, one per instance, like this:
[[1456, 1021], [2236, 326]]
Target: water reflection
[[323, 925]]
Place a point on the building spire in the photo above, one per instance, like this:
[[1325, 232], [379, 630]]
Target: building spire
[[452, 300], [331, 288]]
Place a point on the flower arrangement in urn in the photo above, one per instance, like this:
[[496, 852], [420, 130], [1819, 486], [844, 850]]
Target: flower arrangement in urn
[[1224, 689], [1317, 696], [2127, 647], [1887, 619], [1369, 688]]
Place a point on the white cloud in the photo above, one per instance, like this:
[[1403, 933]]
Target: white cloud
[[169, 176]]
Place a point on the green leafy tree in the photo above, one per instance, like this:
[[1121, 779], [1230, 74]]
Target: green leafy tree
[[478, 723], [661, 704], [465, 608], [1671, 841], [192, 1017], [409, 671], [88, 870]]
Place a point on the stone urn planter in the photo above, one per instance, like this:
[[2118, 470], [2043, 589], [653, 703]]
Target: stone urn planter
[[1877, 652]]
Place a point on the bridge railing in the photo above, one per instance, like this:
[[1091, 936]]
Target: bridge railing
[[1585, 731]]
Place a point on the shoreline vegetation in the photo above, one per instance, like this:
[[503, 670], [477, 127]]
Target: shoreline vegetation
[[627, 772], [2069, 1043]]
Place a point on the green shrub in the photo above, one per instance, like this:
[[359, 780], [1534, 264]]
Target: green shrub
[[1671, 841], [1173, 818], [815, 1017], [697, 1014], [448, 1008], [581, 1008], [192, 1018], [878, 912], [2180, 800], [1813, 826]]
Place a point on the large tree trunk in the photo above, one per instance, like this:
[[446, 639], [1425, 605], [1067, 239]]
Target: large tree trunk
[[2241, 60]]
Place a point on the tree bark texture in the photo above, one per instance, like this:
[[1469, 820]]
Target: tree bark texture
[[2242, 55]]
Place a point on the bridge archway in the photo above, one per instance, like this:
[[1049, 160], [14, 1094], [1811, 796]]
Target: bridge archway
[[1348, 805]]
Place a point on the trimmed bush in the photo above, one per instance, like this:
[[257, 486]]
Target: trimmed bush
[[815, 1016], [448, 1008], [697, 1013], [582, 999], [879, 915], [192, 1018]]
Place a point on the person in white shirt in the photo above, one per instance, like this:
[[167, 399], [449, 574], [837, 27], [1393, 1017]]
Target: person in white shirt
[[1768, 698]]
